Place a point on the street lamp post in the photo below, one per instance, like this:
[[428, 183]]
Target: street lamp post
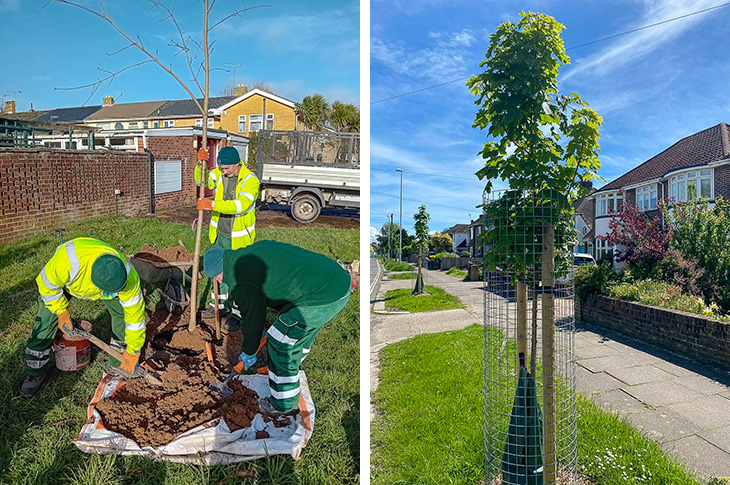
[[400, 220]]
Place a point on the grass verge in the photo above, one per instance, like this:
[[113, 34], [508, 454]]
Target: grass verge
[[434, 299], [459, 273], [393, 265], [36, 434], [429, 426], [402, 276]]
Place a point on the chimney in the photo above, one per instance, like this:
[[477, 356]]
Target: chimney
[[587, 184], [108, 100], [240, 90], [9, 107]]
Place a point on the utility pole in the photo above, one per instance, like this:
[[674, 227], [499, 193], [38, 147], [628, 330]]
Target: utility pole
[[390, 235], [400, 220]]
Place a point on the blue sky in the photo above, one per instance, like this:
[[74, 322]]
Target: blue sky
[[652, 88], [296, 47]]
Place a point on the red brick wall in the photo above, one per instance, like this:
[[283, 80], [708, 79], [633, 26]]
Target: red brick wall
[[42, 189], [722, 181], [178, 148]]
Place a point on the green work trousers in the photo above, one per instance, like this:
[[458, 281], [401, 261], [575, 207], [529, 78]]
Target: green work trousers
[[38, 349], [224, 303], [289, 340]]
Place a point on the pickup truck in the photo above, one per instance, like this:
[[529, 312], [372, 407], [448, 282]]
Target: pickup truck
[[308, 170]]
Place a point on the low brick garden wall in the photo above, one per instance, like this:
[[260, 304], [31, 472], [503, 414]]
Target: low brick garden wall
[[694, 336]]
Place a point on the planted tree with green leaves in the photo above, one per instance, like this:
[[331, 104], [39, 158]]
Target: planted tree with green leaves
[[543, 144], [420, 242]]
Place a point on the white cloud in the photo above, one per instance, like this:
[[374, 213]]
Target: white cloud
[[373, 233], [636, 45]]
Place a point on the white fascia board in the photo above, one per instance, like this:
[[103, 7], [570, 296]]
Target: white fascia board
[[719, 163], [694, 168], [603, 192], [278, 99], [642, 184]]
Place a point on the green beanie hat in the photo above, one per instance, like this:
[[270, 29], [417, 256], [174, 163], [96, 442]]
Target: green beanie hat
[[213, 262], [108, 273], [228, 156]]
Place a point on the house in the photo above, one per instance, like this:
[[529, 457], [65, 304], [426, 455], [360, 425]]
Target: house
[[701, 159], [256, 110], [584, 216], [476, 249], [460, 236]]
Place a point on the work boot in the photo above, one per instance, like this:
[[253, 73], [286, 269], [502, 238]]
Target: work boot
[[210, 312], [268, 409], [233, 324], [32, 384]]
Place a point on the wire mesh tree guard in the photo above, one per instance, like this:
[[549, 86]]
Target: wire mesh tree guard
[[529, 327]]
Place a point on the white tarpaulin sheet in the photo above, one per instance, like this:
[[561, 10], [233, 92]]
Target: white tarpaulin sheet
[[210, 443]]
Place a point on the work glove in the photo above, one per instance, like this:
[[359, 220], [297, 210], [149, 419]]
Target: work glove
[[202, 155], [205, 205], [64, 322], [129, 362], [247, 360]]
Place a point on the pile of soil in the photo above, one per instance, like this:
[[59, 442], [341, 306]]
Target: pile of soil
[[170, 254], [153, 416]]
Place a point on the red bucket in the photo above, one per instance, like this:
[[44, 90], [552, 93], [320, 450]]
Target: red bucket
[[73, 352]]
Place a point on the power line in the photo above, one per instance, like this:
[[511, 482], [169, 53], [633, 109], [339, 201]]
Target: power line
[[569, 48], [428, 204]]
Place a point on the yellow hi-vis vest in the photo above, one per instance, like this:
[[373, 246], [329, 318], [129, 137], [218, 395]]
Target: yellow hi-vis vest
[[247, 191], [70, 268]]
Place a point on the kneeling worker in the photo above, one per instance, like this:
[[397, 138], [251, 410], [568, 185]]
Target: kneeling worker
[[91, 270], [308, 289]]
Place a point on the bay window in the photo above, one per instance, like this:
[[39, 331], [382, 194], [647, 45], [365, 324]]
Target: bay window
[[701, 181]]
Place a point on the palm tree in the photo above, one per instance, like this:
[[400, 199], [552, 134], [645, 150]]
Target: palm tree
[[313, 111], [345, 117]]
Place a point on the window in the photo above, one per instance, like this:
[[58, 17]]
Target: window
[[145, 124], [199, 122], [106, 126], [169, 124], [155, 124], [210, 122], [168, 176], [646, 197], [700, 181], [132, 125], [270, 121], [241, 123], [255, 122], [608, 203], [602, 249], [118, 126]]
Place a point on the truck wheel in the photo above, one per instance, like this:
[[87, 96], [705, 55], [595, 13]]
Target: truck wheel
[[305, 208]]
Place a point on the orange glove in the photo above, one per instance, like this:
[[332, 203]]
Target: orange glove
[[129, 362], [203, 154], [205, 205], [64, 322]]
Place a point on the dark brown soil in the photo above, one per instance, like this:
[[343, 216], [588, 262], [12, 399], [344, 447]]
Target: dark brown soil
[[170, 254], [265, 217], [154, 416]]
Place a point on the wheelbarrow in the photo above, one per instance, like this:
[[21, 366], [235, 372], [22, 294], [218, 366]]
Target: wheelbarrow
[[173, 275]]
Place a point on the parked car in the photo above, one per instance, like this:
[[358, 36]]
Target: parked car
[[564, 284]]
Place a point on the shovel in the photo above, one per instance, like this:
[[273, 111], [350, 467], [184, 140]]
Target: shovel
[[139, 372], [223, 387]]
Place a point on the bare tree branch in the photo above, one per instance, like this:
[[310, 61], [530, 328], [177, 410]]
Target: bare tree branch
[[237, 13], [96, 84]]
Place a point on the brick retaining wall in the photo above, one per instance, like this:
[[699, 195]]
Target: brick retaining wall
[[42, 189], [694, 336]]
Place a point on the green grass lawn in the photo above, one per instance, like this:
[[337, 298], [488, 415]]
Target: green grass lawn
[[36, 434], [429, 427], [434, 299], [393, 265], [402, 276], [459, 273]]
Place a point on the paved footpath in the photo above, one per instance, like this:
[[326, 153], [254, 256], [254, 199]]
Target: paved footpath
[[681, 404]]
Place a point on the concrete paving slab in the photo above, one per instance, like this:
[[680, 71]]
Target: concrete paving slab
[[617, 401], [641, 374], [662, 393], [707, 412], [588, 382], [662, 424], [706, 459], [610, 362], [590, 351], [674, 369], [719, 437], [703, 384]]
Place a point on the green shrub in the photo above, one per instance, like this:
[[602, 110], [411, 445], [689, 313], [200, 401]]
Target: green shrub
[[444, 255], [393, 265], [685, 272], [594, 279]]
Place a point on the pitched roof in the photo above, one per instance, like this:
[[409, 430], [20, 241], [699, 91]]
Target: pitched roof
[[68, 115], [457, 228], [265, 94], [187, 107], [701, 148], [586, 207], [25, 115], [126, 111]]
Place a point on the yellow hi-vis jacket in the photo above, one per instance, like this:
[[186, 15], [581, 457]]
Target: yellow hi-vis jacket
[[247, 191], [70, 268]]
